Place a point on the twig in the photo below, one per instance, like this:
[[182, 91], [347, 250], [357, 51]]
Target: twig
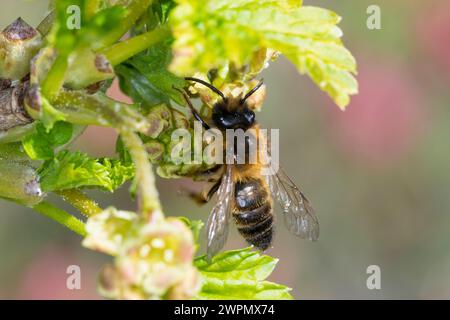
[[80, 201], [61, 216], [121, 51], [148, 197]]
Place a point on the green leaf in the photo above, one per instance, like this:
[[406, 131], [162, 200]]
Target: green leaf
[[122, 152], [76, 170], [49, 115], [75, 36], [239, 274], [211, 34], [41, 144], [162, 8], [146, 79], [66, 38]]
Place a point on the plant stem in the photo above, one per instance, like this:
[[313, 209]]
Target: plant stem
[[134, 10], [54, 80], [92, 7], [80, 201], [98, 109], [148, 197], [122, 51], [61, 216]]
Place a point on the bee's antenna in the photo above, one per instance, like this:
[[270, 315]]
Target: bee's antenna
[[206, 84], [261, 82], [196, 115]]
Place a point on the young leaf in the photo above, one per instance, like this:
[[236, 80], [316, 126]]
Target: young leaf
[[76, 36], [41, 144], [76, 170], [146, 79], [239, 274], [162, 9], [210, 34], [66, 35]]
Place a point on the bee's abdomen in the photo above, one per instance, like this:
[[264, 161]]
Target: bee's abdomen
[[253, 213]]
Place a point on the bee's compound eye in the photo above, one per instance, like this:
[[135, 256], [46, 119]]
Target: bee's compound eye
[[249, 116], [223, 120], [233, 120]]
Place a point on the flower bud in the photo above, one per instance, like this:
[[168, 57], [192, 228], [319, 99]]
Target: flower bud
[[107, 230], [160, 258], [159, 120], [19, 182], [19, 42], [180, 120], [99, 69], [153, 259], [155, 151], [112, 286]]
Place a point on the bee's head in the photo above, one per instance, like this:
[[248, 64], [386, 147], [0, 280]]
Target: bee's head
[[231, 113], [225, 117]]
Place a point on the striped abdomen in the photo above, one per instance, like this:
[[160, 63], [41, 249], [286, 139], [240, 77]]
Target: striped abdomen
[[252, 213]]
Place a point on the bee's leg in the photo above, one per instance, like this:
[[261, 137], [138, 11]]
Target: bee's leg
[[196, 115], [205, 195], [211, 175], [213, 190]]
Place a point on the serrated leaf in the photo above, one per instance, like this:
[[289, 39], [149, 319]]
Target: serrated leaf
[[210, 34], [76, 170], [239, 274]]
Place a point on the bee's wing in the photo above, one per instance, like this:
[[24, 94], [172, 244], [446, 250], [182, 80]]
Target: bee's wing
[[299, 216], [217, 225]]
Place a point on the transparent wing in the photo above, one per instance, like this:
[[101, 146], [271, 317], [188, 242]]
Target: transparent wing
[[298, 214], [218, 221]]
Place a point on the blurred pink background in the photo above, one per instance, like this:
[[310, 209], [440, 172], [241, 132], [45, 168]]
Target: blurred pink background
[[378, 174]]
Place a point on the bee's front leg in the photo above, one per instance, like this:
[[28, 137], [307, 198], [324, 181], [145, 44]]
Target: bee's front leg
[[205, 195]]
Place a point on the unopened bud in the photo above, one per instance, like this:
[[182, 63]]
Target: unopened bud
[[155, 151], [19, 182], [180, 120], [158, 120], [99, 66], [33, 101], [19, 42]]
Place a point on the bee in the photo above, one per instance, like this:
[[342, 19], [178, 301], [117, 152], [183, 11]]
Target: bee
[[244, 194]]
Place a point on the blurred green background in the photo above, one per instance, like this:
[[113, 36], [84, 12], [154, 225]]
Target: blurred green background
[[378, 174]]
